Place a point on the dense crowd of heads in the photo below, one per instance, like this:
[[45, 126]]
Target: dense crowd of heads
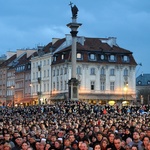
[[75, 126]]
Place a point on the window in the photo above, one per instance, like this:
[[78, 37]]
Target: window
[[148, 82], [139, 82], [79, 56], [61, 85], [61, 71], [65, 85], [53, 72], [92, 71], [125, 58], [44, 62], [102, 57], [92, 56], [62, 56], [48, 62], [57, 72], [44, 87], [78, 70], [102, 86], [102, 71], [112, 86], [57, 85], [44, 73], [54, 86], [55, 58], [92, 85], [47, 87], [65, 71], [112, 72], [112, 58], [48, 73], [125, 72]]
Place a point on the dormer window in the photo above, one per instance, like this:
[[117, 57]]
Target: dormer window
[[79, 56], [112, 58], [92, 56], [62, 56], [102, 57], [125, 58], [55, 58]]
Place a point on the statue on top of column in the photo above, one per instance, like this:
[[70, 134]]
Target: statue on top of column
[[74, 10]]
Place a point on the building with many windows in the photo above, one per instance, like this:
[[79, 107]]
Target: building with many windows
[[106, 72]]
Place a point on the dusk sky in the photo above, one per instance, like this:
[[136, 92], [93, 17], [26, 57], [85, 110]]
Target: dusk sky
[[29, 23]]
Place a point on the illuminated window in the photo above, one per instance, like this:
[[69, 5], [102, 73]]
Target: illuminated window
[[79, 56]]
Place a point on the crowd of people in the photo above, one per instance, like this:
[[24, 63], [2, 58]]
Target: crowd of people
[[75, 125]]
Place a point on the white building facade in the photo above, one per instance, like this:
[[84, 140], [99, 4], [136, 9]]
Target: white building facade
[[106, 72]]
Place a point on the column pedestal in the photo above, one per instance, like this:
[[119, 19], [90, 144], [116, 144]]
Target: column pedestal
[[73, 84]]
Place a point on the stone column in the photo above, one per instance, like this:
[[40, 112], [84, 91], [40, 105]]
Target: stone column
[[73, 83]]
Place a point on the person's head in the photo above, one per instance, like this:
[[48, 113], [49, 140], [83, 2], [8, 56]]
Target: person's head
[[111, 137], [37, 144], [74, 145], [148, 132], [83, 146], [145, 140], [24, 145], [134, 147], [97, 147], [29, 148], [7, 136], [142, 134], [53, 138], [67, 142], [47, 146], [148, 146], [104, 143], [42, 145], [99, 136], [57, 144], [68, 148], [136, 136], [127, 147], [117, 142], [7, 146], [71, 138], [128, 140], [19, 140]]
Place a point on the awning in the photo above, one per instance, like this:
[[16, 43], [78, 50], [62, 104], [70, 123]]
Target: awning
[[26, 100], [58, 97], [105, 97]]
